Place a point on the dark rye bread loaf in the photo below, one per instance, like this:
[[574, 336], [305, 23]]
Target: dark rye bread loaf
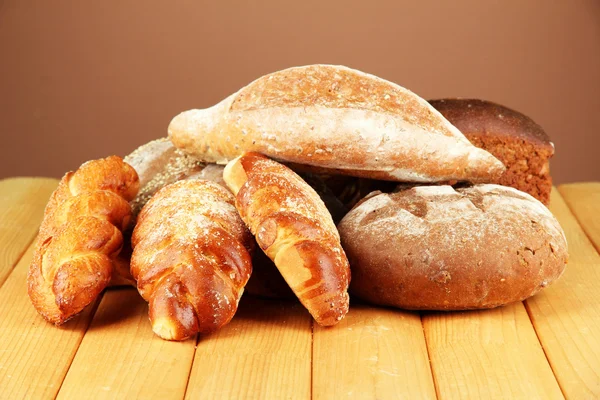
[[513, 138], [452, 249]]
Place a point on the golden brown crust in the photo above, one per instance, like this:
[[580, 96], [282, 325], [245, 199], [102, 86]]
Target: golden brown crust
[[158, 163], [191, 258], [295, 230], [446, 249], [80, 236], [336, 118]]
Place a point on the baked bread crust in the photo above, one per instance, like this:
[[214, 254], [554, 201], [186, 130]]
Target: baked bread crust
[[158, 163], [515, 139], [446, 249], [338, 120], [80, 237], [191, 258], [295, 230]]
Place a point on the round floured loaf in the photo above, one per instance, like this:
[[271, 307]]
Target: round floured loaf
[[440, 248]]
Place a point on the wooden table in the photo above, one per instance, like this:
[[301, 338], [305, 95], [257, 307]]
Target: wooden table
[[547, 347]]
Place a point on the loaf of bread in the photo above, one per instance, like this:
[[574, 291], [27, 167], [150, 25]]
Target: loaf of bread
[[295, 230], [335, 119], [515, 139], [158, 163], [191, 258], [211, 172], [80, 237], [452, 249], [266, 281]]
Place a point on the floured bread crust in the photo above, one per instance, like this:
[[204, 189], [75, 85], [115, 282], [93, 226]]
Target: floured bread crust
[[191, 258], [339, 120], [452, 249], [158, 164]]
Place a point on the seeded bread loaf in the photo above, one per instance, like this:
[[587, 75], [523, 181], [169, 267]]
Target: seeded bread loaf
[[158, 163], [445, 249], [515, 139]]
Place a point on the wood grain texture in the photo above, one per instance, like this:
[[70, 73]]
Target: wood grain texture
[[266, 352], [22, 203], [490, 354], [583, 200], [121, 358], [566, 315], [263, 353], [373, 353], [34, 355]]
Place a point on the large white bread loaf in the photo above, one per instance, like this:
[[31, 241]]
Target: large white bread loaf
[[335, 119]]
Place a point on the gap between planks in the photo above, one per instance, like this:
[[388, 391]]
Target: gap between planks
[[372, 353], [264, 352], [566, 315], [22, 203], [34, 355], [120, 357], [433, 373], [46, 333], [583, 200], [488, 354]]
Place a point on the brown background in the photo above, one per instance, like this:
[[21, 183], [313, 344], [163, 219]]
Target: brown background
[[82, 80]]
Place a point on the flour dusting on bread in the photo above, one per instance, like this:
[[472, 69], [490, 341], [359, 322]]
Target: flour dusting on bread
[[445, 248]]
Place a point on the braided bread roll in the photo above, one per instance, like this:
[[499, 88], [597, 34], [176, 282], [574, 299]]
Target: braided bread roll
[[80, 236], [295, 230], [191, 258]]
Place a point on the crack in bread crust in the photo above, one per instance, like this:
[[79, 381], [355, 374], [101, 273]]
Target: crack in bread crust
[[476, 247]]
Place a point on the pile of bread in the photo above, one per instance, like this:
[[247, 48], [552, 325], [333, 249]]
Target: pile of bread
[[328, 172]]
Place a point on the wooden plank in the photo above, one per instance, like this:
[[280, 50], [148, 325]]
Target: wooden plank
[[566, 315], [121, 358], [373, 353], [583, 200], [22, 203], [488, 354], [34, 355], [263, 353]]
